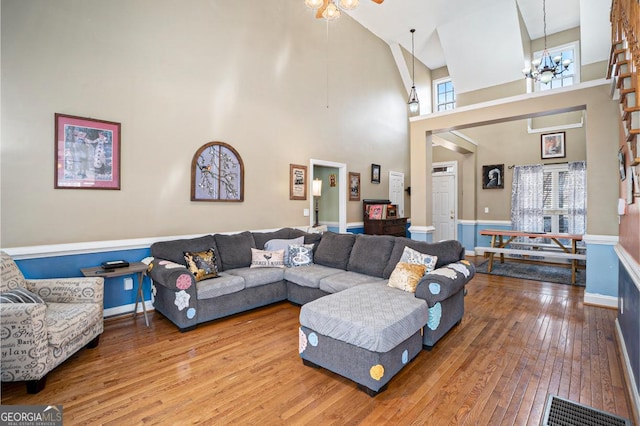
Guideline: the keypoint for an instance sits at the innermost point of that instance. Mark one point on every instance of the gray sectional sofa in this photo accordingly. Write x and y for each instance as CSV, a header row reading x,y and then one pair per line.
x,y
351,268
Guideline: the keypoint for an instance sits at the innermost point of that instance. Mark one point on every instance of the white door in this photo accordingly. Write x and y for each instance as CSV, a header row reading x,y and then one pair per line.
x,y
396,191
444,208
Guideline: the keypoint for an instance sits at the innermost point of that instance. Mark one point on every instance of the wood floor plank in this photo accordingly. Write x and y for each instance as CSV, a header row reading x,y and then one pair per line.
x,y
519,341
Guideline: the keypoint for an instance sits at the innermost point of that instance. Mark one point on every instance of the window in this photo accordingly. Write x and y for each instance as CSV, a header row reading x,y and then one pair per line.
x,y
555,202
568,78
445,96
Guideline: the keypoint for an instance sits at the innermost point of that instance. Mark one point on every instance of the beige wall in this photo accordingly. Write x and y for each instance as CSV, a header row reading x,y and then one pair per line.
x,y
600,151
177,75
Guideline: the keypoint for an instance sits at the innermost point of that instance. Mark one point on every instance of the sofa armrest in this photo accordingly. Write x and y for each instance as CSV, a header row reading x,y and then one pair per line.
x,y
69,290
444,282
24,341
171,275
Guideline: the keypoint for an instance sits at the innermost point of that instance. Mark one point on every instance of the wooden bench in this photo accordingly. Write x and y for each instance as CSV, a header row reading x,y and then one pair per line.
x,y
544,254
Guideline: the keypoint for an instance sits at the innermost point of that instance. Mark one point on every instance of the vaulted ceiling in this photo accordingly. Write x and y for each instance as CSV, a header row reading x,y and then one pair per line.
x,y
482,42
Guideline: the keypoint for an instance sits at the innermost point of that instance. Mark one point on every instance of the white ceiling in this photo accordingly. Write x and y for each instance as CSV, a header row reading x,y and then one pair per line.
x,y
481,41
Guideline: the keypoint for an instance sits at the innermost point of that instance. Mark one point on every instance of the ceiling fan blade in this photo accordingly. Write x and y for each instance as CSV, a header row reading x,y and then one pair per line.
x,y
321,9
377,1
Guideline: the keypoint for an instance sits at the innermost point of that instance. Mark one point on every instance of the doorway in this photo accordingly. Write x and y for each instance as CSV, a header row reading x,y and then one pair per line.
x,y
341,183
445,200
396,191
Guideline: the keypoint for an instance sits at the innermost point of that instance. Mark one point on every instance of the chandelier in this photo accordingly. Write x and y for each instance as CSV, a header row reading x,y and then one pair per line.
x,y
414,103
546,68
330,9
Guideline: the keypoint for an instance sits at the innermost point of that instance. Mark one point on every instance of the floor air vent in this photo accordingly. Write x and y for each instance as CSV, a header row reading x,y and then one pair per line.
x,y
562,412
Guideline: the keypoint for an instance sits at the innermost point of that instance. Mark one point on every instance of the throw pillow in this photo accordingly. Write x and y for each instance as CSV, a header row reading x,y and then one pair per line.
x,y
267,259
19,295
202,264
279,244
300,254
410,255
406,276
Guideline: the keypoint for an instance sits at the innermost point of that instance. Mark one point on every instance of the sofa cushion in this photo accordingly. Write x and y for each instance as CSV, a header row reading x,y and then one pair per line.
x,y
267,259
334,250
309,276
300,255
370,254
261,238
280,244
254,277
202,264
344,280
446,251
215,287
406,276
374,317
234,250
68,321
174,250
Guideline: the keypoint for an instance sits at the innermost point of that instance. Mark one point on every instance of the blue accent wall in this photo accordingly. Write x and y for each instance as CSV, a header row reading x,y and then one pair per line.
x,y
467,236
69,266
602,270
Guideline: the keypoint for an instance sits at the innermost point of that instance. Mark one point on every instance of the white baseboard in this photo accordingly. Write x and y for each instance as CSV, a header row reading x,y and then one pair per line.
x,y
600,300
628,371
127,309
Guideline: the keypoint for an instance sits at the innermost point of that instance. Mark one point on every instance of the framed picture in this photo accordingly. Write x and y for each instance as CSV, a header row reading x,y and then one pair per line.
x,y
622,164
375,173
217,173
297,182
493,176
354,186
552,145
87,153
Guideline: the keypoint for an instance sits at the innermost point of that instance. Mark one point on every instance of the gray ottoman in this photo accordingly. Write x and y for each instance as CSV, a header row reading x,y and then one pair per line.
x,y
366,333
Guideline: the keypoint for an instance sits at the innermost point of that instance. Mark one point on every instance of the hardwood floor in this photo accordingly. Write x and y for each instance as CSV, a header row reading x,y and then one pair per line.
x,y
519,341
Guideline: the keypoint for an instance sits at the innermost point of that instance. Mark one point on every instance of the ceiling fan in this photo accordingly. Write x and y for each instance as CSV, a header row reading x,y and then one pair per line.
x,y
329,10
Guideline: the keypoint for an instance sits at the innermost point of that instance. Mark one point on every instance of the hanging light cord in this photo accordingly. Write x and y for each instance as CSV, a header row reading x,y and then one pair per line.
x,y
544,22
413,60
327,91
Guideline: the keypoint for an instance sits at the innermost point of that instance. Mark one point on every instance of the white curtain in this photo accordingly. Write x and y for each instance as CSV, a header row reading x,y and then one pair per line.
x,y
577,197
527,207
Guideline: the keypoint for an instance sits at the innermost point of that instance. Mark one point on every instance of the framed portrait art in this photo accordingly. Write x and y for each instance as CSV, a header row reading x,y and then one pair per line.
x,y
354,186
297,182
552,145
87,153
493,176
375,173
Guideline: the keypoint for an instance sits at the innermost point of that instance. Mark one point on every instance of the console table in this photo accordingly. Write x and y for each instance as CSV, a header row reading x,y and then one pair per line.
x,y
387,224
137,268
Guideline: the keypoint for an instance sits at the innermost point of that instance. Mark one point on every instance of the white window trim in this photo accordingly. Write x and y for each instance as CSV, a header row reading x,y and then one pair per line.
x,y
434,91
575,45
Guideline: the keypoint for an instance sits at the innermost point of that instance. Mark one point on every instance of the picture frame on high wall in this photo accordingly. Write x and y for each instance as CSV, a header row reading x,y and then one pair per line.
x,y
493,176
297,182
354,186
86,153
552,145
375,173
217,173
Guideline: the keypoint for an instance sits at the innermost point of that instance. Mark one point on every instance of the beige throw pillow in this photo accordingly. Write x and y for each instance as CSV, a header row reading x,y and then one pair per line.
x,y
267,259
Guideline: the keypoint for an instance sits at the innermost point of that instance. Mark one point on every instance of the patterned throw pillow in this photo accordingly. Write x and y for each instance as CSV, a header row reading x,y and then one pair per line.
x,y
279,244
267,259
300,254
19,295
202,264
406,276
410,255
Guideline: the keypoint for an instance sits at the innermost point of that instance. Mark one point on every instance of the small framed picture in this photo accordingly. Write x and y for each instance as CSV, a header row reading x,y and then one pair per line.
x,y
354,186
552,145
375,173
297,182
87,153
622,164
493,176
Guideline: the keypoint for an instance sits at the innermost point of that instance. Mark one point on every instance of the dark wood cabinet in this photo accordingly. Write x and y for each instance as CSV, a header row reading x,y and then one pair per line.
x,y
387,224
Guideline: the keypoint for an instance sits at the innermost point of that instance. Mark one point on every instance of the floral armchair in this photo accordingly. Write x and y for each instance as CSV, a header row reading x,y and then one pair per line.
x,y
43,322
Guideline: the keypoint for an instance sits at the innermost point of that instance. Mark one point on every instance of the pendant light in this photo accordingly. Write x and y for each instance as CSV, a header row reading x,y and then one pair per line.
x,y
414,103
